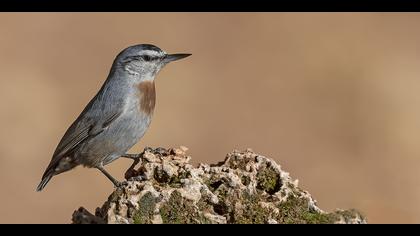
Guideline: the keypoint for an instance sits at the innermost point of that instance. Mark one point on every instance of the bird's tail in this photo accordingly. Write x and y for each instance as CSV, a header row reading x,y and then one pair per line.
x,y
45,179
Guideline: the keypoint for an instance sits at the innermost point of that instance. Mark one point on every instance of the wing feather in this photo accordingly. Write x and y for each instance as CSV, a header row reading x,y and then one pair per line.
x,y
82,129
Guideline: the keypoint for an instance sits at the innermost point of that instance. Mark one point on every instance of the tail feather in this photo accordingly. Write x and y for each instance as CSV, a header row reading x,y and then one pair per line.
x,y
45,179
55,168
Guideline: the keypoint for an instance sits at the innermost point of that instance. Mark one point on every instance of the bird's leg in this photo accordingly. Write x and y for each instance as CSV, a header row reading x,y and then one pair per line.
x,y
109,176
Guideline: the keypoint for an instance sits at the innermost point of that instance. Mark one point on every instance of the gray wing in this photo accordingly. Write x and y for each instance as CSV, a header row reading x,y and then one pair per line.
x,y
87,125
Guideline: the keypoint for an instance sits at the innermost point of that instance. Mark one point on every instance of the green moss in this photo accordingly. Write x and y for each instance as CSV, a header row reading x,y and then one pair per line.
x,y
180,211
251,212
268,180
318,218
147,206
204,205
296,211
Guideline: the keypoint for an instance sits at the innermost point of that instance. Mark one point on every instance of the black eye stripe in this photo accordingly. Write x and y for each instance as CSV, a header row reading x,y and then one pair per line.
x,y
147,57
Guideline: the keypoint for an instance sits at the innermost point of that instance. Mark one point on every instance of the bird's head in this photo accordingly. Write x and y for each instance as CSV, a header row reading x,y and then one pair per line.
x,y
144,61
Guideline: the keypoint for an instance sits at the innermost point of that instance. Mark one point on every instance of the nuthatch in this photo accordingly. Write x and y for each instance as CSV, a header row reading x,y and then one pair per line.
x,y
116,118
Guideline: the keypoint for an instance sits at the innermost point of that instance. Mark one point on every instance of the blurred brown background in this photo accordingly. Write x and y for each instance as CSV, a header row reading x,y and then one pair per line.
x,y
334,98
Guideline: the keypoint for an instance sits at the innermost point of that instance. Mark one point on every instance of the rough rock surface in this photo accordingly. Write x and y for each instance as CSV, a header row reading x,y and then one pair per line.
x,y
245,188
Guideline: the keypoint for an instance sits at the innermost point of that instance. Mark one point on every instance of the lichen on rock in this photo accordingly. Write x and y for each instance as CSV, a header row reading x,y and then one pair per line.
x,y
245,188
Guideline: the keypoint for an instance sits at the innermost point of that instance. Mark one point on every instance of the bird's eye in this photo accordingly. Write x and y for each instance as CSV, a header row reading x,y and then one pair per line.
x,y
147,58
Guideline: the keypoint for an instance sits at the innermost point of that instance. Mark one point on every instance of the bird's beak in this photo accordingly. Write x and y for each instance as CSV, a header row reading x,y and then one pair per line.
x,y
174,57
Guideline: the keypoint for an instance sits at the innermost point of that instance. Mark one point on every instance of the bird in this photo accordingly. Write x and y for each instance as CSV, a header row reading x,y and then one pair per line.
x,y
116,118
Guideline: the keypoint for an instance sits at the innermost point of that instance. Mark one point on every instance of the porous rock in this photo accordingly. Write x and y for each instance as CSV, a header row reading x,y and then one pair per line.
x,y
245,188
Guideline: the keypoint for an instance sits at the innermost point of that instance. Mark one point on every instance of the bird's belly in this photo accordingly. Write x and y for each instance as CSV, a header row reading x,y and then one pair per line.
x,y
116,140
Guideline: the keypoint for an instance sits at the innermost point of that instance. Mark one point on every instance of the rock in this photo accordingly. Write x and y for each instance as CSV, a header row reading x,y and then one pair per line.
x,y
244,188
82,216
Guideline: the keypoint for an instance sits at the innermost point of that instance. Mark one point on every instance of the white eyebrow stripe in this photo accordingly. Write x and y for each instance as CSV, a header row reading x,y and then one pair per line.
x,y
151,53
